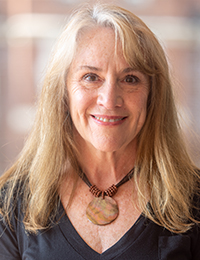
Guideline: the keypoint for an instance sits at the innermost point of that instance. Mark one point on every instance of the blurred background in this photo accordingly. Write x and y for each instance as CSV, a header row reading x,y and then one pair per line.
x,y
28,30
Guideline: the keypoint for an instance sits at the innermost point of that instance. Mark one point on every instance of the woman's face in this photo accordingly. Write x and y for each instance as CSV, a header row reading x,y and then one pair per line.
x,y
108,98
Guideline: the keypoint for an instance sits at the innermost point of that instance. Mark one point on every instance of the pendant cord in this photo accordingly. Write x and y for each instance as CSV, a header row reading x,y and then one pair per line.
x,y
124,180
103,209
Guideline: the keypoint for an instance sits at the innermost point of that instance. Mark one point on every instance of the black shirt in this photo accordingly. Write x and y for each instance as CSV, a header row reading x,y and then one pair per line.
x,y
144,241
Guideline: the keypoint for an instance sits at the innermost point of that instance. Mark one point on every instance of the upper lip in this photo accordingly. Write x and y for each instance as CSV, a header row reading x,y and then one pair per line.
x,y
108,117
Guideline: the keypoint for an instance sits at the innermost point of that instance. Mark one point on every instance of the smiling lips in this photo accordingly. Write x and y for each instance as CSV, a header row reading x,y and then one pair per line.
x,y
109,119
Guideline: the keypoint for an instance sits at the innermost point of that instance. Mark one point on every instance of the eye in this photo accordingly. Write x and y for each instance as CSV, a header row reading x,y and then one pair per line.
x,y
91,77
131,79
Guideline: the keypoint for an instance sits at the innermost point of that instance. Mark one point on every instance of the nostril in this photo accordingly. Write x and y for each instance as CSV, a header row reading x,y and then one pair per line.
x,y
110,100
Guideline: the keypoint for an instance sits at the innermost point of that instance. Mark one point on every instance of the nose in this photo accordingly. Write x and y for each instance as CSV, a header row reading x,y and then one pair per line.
x,y
110,95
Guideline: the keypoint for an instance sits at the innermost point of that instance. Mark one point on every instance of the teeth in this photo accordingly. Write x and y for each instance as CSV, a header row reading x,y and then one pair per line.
x,y
107,120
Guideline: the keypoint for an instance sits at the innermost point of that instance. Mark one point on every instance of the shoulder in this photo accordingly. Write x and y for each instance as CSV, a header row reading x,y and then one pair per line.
x,y
13,237
11,200
196,207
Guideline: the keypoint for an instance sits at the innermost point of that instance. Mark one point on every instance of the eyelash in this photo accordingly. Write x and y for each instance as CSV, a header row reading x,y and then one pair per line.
x,y
85,77
136,79
96,78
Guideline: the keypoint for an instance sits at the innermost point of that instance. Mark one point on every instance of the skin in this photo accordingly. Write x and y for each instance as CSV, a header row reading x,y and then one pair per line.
x,y
108,101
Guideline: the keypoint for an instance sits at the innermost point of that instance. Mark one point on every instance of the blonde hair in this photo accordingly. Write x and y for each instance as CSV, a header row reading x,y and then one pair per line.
x,y
162,162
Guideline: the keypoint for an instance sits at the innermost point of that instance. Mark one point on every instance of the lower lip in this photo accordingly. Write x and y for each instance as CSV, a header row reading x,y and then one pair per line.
x,y
109,123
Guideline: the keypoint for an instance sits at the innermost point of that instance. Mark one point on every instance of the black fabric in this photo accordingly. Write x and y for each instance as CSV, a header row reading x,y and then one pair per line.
x,y
144,241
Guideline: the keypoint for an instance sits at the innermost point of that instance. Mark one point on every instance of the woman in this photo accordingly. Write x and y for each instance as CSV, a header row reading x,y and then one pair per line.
x,y
106,119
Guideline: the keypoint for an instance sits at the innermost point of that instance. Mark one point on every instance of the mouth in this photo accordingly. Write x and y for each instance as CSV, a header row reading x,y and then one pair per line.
x,y
110,119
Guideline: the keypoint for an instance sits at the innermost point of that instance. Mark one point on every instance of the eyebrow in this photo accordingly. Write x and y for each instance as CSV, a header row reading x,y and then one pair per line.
x,y
92,68
88,68
129,69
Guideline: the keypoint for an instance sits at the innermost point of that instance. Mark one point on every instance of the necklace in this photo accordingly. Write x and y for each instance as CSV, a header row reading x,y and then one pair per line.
x,y
103,209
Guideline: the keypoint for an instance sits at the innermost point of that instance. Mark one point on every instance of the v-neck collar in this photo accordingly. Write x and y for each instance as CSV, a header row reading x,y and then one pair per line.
x,y
80,246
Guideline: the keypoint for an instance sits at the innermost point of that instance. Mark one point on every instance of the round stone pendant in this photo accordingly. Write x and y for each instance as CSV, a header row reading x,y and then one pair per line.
x,y
102,211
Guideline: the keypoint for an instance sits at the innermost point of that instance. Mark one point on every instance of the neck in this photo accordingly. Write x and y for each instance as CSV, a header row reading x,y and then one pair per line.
x,y
106,168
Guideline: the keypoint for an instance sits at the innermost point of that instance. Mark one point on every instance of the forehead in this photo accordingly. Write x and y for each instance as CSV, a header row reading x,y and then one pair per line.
x,y
98,45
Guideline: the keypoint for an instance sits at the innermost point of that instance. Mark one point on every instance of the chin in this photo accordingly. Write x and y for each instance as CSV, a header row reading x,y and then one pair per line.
x,y
108,147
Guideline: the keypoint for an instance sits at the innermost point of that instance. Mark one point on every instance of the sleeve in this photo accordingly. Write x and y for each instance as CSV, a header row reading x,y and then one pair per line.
x,y
196,230
196,244
8,242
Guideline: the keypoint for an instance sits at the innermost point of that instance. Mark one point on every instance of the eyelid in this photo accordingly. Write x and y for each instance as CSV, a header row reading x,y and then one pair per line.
x,y
132,75
90,74
136,78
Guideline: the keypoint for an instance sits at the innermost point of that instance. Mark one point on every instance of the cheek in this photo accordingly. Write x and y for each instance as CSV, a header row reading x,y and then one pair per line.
x,y
139,110
139,103
143,105
143,110
80,101
76,98
143,100
75,94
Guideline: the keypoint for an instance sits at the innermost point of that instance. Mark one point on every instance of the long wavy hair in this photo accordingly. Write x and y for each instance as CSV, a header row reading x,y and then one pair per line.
x,y
163,166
